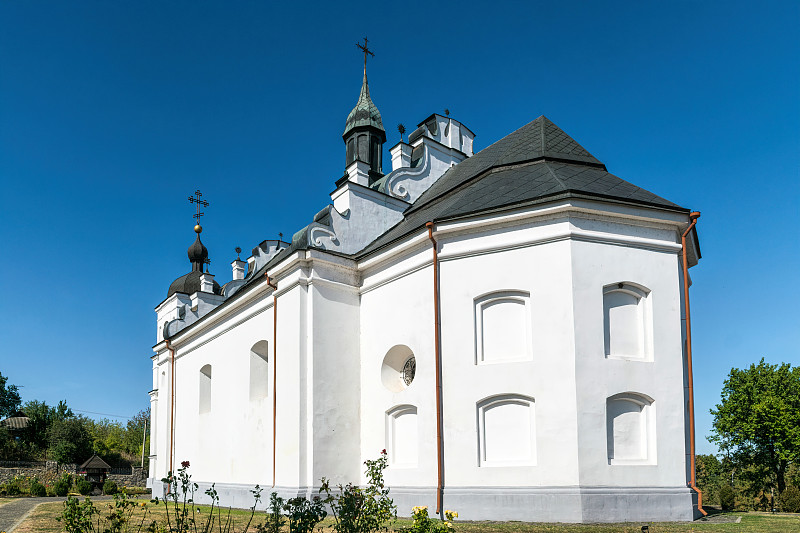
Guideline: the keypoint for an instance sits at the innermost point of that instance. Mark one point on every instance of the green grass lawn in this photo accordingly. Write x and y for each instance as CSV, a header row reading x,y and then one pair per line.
x,y
43,520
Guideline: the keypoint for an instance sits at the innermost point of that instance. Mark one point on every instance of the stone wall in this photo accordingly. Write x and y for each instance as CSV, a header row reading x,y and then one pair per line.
x,y
51,469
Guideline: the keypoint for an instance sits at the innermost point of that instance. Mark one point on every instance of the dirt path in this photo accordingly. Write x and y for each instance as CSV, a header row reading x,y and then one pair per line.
x,y
14,512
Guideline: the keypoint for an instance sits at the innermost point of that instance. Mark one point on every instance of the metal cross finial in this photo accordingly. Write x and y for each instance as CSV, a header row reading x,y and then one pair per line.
x,y
366,51
208,263
196,200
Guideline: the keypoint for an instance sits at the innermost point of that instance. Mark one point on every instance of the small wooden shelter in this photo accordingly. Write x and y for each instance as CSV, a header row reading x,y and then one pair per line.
x,y
95,470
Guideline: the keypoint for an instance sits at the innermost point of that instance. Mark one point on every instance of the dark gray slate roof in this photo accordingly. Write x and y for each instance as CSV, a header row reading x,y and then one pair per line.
x,y
190,284
536,163
95,462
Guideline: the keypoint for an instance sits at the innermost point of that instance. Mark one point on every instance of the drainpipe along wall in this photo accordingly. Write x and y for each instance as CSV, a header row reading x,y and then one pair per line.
x,y
274,370
171,404
438,365
693,217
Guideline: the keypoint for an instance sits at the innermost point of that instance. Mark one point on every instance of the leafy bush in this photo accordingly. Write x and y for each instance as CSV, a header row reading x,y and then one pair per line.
x,y
61,488
425,524
727,497
110,487
77,516
275,519
13,488
790,500
304,514
83,486
37,489
357,510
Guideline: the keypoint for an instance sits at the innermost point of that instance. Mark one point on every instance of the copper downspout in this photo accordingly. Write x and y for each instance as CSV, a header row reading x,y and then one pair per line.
x,y
693,217
274,369
171,406
438,363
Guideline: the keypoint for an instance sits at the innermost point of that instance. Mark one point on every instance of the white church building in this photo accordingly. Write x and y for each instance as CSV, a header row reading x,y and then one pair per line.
x,y
510,325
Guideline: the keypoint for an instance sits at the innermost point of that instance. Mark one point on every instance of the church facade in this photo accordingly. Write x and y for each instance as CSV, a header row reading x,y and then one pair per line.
x,y
510,326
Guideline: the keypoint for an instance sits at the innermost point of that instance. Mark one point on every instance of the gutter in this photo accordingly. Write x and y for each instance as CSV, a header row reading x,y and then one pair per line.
x,y
438,365
692,475
274,370
171,405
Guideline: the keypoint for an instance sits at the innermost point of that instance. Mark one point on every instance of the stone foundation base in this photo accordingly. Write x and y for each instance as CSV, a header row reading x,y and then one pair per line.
x,y
526,504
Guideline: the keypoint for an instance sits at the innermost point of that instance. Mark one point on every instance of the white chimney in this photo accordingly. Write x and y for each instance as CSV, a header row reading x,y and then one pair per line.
x,y
401,155
207,282
238,269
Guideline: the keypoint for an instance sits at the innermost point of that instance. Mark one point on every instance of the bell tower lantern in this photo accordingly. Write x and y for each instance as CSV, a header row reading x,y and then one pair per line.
x,y
363,133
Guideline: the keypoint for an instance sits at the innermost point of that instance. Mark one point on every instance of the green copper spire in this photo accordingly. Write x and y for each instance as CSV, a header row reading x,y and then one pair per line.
x,y
365,113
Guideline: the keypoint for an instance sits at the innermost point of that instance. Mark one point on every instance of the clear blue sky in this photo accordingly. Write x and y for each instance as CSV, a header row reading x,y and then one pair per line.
x,y
112,113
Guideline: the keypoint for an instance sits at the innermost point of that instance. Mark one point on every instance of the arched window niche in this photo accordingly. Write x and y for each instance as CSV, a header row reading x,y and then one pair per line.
x,y
631,429
398,369
627,322
259,370
506,431
402,443
503,327
204,396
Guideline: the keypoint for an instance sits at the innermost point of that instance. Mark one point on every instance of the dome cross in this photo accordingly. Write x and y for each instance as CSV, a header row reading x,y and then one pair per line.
x,y
366,51
200,203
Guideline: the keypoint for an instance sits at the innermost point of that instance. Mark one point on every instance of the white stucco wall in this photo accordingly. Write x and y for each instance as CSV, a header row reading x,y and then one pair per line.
x,y
337,320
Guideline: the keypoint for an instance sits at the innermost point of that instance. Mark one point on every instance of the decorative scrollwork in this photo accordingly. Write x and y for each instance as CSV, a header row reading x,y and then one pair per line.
x,y
395,185
317,233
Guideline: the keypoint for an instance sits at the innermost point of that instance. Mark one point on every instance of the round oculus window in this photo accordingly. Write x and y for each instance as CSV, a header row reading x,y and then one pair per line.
x,y
409,370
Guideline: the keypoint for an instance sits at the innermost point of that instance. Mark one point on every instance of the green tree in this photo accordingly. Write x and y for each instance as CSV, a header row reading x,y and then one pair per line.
x,y
757,423
9,398
70,441
709,476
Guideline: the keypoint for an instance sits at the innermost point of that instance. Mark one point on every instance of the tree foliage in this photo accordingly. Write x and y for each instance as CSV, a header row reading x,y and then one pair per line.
x,y
10,399
70,441
757,422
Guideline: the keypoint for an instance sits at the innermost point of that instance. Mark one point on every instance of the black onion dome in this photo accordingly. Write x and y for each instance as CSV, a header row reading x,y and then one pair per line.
x,y
198,254
190,284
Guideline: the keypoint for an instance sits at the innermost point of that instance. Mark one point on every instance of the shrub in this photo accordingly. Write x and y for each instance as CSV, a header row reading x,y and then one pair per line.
x,y
61,488
304,514
83,486
425,524
727,497
275,519
77,516
37,489
109,487
790,500
13,488
361,510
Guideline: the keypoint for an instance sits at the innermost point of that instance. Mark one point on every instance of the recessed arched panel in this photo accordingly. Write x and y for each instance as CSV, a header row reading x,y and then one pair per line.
x,y
630,429
626,322
503,327
402,443
204,396
506,431
259,370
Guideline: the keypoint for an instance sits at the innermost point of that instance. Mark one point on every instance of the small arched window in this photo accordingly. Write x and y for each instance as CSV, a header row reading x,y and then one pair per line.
x,y
351,150
503,327
630,429
626,321
259,370
401,436
506,431
204,400
375,154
